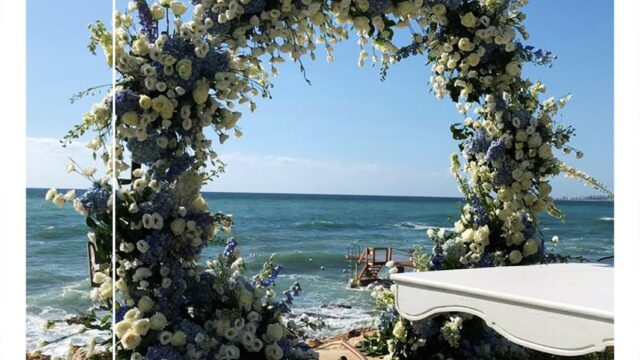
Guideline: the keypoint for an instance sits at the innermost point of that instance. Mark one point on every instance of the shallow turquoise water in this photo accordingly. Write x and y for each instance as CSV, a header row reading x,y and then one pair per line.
x,y
297,228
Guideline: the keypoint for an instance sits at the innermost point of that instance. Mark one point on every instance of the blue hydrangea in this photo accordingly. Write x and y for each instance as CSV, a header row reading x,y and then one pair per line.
x,y
191,330
489,49
478,143
286,348
486,260
175,46
162,352
524,117
255,6
378,7
144,152
177,166
96,199
161,202
159,246
502,176
385,318
213,63
424,328
126,100
496,150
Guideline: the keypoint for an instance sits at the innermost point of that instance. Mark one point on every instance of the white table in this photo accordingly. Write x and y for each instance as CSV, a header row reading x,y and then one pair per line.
x,y
561,309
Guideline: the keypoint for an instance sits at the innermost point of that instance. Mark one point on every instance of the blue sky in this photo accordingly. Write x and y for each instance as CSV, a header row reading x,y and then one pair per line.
x,y
349,132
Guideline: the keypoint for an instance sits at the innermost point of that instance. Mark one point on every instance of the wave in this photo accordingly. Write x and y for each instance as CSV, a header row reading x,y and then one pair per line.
x,y
326,224
419,226
337,318
45,340
606,219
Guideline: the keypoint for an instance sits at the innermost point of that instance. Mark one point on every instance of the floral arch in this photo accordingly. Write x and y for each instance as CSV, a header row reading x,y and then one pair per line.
x,y
183,72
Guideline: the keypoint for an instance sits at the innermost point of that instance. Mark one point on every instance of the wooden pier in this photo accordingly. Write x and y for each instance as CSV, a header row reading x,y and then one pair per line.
x,y
366,264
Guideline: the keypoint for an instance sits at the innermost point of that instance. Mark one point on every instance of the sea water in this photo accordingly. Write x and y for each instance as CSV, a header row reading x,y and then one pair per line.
x,y
309,235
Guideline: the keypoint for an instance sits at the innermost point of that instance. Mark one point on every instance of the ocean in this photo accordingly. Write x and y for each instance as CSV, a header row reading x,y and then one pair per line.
x,y
309,234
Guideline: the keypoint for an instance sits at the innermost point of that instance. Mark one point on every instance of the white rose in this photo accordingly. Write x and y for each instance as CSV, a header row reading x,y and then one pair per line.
x,y
179,338
130,340
513,68
468,20
515,257
58,200
177,226
165,337
89,171
275,332
158,321
121,328
145,304
178,8
273,352
530,247
133,314
544,151
99,277
141,327
467,235
70,195
142,246
439,9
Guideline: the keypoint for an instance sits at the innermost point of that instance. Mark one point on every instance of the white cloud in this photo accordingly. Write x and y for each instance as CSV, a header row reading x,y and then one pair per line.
x,y
285,174
47,160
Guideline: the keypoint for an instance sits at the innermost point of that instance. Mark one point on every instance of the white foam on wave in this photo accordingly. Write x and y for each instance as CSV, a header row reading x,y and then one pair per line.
x,y
606,218
419,226
336,319
39,338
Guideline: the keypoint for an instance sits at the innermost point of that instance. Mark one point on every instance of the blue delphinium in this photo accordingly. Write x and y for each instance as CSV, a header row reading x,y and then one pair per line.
x,y
478,143
378,7
145,18
162,352
385,318
437,259
478,212
230,248
126,100
121,311
275,272
96,199
496,150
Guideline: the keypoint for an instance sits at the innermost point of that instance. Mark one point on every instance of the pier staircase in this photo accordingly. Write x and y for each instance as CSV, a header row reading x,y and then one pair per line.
x,y
367,264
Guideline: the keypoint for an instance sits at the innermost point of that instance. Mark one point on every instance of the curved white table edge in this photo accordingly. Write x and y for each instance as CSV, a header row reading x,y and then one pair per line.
x,y
506,314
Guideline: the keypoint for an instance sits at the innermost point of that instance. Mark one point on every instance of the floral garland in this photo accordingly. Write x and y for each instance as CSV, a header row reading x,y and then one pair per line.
x,y
183,72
